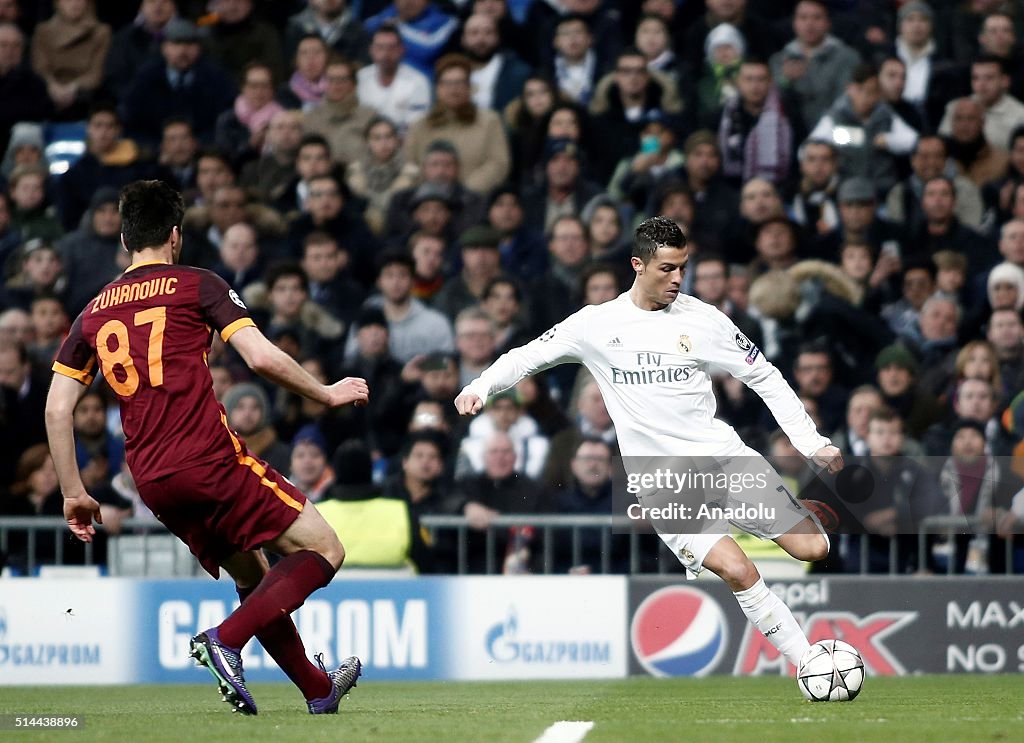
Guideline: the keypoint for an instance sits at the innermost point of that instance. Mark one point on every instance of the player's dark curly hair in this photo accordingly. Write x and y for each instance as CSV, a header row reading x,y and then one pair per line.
x,y
149,211
654,233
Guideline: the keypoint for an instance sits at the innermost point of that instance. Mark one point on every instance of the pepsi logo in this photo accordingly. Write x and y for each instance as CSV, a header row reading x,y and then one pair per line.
x,y
679,631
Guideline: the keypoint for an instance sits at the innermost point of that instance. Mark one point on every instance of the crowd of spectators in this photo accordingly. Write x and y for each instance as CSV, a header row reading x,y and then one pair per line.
x,y
404,190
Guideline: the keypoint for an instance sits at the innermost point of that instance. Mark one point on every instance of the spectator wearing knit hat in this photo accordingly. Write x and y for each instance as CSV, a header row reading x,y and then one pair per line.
x,y
481,262
724,50
249,415
310,471
742,14
25,147
431,212
897,376
1006,287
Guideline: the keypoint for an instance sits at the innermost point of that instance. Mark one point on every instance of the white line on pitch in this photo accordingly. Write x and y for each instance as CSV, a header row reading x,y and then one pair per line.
x,y
565,732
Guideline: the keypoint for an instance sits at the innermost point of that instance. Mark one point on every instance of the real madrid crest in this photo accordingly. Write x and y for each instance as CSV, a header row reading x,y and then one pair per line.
x,y
684,344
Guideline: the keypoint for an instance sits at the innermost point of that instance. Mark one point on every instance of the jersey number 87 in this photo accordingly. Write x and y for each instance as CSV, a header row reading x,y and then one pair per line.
x,y
110,360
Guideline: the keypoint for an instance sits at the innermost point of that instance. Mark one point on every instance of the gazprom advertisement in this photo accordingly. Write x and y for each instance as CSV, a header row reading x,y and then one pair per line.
x,y
397,628
116,631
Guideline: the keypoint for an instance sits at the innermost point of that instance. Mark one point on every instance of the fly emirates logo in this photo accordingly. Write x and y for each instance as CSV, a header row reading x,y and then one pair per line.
x,y
651,370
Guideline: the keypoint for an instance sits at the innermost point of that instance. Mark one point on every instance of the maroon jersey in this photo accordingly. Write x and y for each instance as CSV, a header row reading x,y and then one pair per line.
x,y
151,329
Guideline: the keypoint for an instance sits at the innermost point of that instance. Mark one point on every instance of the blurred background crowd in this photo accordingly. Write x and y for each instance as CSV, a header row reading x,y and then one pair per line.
x,y
404,190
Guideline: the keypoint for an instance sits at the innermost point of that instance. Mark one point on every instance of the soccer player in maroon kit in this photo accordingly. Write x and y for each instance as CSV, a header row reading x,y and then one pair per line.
x,y
150,331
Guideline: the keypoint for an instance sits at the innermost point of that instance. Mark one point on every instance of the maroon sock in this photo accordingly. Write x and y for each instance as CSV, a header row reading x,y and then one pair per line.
x,y
282,642
283,590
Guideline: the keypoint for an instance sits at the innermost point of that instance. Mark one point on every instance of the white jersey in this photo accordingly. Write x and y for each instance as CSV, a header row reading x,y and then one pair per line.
x,y
654,371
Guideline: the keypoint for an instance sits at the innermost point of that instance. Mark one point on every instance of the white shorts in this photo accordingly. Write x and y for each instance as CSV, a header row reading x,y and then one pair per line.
x,y
692,549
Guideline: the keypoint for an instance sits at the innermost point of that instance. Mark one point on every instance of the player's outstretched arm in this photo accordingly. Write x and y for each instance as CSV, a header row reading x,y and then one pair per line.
x,y
559,345
270,362
79,507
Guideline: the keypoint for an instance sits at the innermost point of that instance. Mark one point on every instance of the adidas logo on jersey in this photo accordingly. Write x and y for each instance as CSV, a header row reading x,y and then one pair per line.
x,y
614,343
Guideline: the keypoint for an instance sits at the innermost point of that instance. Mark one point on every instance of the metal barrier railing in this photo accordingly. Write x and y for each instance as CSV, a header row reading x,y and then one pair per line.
x,y
548,525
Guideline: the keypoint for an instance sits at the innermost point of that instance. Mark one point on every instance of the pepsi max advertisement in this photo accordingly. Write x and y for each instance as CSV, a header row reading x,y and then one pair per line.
x,y
924,625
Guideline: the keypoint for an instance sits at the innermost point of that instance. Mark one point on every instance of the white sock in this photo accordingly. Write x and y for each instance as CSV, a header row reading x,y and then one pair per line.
x,y
774,620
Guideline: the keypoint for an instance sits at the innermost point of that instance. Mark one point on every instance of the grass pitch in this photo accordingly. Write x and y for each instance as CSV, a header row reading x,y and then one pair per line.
x,y
752,710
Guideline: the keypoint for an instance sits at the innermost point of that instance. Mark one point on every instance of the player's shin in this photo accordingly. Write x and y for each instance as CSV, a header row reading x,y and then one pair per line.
x,y
282,642
282,591
774,620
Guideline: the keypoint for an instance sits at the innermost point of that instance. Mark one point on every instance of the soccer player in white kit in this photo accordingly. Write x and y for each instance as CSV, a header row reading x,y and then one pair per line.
x,y
650,351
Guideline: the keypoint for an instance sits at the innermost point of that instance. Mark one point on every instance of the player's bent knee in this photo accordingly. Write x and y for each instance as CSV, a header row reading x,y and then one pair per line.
x,y
331,549
817,548
809,547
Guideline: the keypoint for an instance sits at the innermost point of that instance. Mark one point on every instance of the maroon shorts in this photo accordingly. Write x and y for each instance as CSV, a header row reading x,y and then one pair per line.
x,y
222,507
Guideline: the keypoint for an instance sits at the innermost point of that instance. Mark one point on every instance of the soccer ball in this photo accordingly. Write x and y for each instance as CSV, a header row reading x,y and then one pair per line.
x,y
831,671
